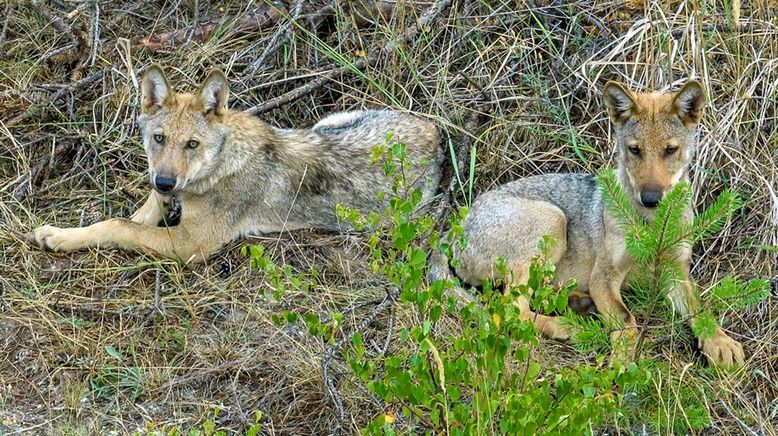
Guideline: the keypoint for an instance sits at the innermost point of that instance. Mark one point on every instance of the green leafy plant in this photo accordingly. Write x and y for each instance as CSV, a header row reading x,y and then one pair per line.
x,y
209,427
671,404
483,376
654,245
482,379
119,377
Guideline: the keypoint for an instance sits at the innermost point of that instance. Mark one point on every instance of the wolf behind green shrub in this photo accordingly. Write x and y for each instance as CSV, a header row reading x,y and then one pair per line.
x,y
483,378
483,375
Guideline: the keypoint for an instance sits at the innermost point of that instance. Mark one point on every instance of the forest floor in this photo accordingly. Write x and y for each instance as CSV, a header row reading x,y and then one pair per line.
x,y
105,341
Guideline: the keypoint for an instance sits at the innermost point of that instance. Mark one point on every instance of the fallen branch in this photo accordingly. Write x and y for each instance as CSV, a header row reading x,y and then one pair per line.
x,y
94,33
76,38
63,90
279,37
375,55
4,32
260,18
37,173
303,90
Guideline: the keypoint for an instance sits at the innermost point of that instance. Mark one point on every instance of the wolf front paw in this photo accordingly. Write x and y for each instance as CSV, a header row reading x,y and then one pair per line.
x,y
56,239
721,350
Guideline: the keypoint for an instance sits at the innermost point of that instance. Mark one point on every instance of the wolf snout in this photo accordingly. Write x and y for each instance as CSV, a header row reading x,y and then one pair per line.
x,y
650,198
163,183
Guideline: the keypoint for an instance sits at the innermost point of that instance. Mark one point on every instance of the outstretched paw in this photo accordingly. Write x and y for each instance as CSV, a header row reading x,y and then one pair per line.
x,y
55,239
721,350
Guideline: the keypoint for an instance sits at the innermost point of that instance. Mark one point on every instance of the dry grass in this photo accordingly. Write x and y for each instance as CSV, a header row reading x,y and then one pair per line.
x,y
189,340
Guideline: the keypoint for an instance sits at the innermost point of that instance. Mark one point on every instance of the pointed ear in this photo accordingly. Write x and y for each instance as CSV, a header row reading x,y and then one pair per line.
x,y
154,90
689,103
619,102
214,93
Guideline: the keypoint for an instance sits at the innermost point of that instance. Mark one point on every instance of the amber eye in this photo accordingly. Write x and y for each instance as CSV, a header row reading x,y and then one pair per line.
x,y
192,144
669,151
160,138
635,151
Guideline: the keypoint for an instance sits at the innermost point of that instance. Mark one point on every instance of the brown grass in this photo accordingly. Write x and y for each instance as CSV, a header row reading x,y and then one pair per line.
x,y
189,340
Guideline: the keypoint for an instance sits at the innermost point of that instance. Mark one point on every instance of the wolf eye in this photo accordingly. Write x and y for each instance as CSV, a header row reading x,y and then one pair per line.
x,y
635,151
192,144
159,138
669,151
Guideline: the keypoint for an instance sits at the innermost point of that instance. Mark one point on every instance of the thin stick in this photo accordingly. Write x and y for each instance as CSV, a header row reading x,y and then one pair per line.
x,y
329,354
64,89
59,24
95,33
302,91
278,38
260,18
4,32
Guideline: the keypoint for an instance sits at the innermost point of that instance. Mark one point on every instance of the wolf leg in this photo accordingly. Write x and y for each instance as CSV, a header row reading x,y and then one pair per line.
x,y
510,227
549,326
605,291
186,244
720,349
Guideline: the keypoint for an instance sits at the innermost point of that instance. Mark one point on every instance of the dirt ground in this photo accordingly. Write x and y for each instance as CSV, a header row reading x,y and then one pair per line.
x,y
108,342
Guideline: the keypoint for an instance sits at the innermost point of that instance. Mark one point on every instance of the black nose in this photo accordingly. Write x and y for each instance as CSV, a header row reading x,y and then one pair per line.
x,y
164,183
650,198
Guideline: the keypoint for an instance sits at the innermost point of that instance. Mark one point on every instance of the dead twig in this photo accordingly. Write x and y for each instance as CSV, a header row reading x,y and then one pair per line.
x,y
262,17
303,90
746,429
277,40
76,38
196,21
36,173
331,351
63,90
94,35
4,32
428,17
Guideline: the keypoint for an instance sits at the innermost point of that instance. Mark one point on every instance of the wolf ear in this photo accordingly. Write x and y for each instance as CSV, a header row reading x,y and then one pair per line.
x,y
619,102
689,103
214,93
154,90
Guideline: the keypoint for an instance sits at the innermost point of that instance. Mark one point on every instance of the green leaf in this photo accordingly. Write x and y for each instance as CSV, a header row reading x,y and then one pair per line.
x,y
704,326
418,257
714,217
113,353
291,317
356,340
617,201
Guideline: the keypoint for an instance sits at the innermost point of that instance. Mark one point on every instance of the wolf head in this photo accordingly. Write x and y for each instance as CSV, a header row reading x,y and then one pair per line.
x,y
655,136
182,133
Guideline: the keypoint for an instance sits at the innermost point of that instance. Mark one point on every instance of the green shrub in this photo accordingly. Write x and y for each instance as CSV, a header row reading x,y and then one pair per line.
x,y
484,376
